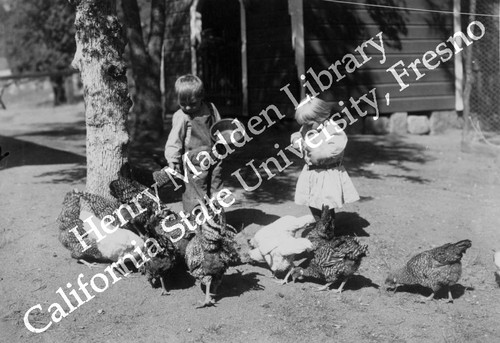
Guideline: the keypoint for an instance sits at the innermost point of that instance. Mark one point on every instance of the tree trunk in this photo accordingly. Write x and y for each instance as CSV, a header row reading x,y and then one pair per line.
x,y
57,83
69,89
147,112
99,58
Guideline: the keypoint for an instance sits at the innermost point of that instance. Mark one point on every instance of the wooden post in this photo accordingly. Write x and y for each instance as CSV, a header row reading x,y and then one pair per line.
x,y
467,129
195,33
296,9
459,71
244,65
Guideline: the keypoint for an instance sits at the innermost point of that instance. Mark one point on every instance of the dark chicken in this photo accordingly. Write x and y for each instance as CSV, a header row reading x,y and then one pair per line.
x,y
210,252
333,258
164,262
436,268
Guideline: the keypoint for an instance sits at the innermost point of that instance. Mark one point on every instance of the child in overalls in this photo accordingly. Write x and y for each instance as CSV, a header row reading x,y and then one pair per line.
x,y
323,180
191,134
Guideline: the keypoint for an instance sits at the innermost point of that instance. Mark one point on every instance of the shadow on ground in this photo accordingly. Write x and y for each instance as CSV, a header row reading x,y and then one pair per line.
x,y
242,217
357,282
350,224
457,291
24,153
238,283
67,175
364,150
354,283
66,130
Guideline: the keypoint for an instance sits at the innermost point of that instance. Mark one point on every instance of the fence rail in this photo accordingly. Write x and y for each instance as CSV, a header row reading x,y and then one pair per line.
x,y
36,75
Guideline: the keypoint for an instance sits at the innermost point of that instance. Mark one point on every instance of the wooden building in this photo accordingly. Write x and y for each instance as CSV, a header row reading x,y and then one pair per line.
x,y
246,51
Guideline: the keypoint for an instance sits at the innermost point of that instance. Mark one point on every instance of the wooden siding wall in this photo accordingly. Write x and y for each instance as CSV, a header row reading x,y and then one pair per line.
x,y
271,61
177,48
333,30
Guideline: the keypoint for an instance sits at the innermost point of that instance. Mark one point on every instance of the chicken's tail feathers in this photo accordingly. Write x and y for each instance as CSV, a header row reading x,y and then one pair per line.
x,y
125,189
453,252
496,258
352,247
463,245
99,205
70,210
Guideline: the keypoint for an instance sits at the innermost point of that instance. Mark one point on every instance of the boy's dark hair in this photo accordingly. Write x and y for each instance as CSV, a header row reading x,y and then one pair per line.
x,y
189,86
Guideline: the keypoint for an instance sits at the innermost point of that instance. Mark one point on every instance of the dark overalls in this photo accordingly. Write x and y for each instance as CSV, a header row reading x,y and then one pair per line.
x,y
209,182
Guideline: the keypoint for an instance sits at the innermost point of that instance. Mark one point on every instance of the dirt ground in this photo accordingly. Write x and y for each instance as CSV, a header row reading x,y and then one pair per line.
x,y
417,192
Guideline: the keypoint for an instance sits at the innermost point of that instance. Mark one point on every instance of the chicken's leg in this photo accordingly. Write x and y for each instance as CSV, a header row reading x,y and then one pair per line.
x,y
164,289
341,287
324,288
429,298
209,301
287,276
450,297
338,290
90,265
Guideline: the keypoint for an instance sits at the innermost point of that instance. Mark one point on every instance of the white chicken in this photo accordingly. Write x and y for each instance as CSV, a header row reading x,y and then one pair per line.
x,y
115,245
75,220
276,244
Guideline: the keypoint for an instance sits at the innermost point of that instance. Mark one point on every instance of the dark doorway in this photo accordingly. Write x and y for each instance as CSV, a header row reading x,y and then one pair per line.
x,y
219,55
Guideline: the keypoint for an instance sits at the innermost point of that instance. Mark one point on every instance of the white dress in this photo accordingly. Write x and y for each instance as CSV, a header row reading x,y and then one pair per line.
x,y
324,180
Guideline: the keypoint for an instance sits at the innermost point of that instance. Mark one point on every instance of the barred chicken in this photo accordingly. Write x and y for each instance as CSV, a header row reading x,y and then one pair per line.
x,y
436,268
108,249
276,244
144,200
210,252
159,267
333,258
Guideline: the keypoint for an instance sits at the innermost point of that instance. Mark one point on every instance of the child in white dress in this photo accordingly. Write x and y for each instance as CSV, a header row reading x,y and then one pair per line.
x,y
323,180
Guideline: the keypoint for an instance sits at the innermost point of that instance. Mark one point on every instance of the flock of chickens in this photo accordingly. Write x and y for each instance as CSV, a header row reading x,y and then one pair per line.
x,y
208,251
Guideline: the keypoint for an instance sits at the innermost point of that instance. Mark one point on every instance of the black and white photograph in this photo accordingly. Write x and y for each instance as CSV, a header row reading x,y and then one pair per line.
x,y
270,171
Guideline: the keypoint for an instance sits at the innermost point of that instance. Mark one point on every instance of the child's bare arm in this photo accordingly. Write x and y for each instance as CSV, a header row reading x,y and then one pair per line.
x,y
295,139
174,148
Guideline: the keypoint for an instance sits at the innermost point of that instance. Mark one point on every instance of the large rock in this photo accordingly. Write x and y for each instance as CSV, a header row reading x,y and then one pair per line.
x,y
418,125
377,127
398,123
440,121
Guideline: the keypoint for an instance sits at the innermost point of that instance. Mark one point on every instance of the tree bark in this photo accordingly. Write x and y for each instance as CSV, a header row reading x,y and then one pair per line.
x,y
99,58
147,112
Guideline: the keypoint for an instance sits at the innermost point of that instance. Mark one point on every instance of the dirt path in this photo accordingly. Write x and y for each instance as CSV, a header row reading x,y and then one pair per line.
x,y
417,193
